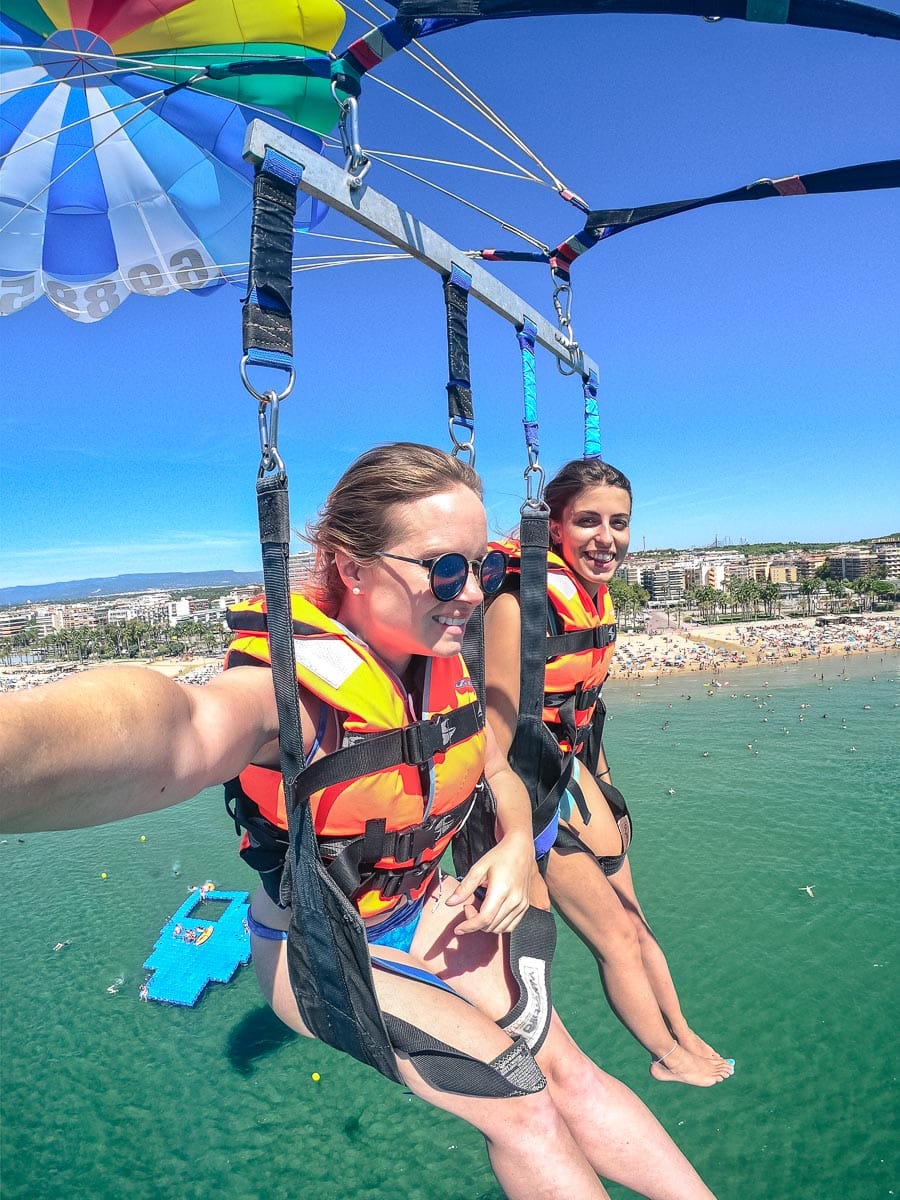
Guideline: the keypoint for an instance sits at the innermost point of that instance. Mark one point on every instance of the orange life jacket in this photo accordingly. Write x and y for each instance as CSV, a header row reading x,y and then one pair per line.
x,y
574,677
401,785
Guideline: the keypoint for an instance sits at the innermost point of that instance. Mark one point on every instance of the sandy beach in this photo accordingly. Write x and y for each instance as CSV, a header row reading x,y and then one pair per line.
x,y
711,649
194,670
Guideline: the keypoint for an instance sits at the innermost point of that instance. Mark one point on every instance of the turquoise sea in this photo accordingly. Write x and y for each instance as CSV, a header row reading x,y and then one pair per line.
x,y
104,1096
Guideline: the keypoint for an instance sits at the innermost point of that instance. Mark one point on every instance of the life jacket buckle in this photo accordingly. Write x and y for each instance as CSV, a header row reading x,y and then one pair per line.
x,y
422,741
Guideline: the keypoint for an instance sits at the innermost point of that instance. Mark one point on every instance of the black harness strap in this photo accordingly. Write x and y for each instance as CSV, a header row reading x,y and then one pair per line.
x,y
534,753
597,638
459,383
327,953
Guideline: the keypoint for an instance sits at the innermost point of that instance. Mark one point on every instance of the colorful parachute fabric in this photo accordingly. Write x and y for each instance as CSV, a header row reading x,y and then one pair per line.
x,y
115,175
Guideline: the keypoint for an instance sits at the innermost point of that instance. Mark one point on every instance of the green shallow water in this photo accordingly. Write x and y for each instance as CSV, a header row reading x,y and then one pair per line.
x,y
104,1096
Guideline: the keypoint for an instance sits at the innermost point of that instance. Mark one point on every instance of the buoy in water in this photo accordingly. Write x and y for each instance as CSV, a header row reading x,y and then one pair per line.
x,y
143,837
103,875
315,1077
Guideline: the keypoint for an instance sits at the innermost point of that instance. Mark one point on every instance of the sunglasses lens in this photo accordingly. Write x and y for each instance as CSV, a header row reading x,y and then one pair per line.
x,y
448,576
493,572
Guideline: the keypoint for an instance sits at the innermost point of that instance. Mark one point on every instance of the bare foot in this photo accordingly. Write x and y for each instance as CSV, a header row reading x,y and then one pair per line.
x,y
681,1066
690,1041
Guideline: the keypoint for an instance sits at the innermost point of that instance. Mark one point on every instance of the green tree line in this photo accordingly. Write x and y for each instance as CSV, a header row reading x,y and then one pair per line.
x,y
130,639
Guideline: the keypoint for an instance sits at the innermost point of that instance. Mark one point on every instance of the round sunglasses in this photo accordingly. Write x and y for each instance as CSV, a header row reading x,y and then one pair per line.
x,y
447,574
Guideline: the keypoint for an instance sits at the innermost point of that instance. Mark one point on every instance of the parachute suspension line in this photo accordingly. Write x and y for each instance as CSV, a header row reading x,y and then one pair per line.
x,y
145,103
384,155
470,96
514,230
439,69
592,447
460,410
523,171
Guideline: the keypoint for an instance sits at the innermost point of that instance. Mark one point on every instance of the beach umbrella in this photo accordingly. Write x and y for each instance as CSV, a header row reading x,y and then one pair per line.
x,y
121,166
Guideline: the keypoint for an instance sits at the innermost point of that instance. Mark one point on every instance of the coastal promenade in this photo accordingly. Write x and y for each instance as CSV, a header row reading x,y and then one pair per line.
x,y
685,649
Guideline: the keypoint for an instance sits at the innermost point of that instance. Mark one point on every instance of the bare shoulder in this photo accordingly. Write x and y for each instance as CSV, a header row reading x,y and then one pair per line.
x,y
503,615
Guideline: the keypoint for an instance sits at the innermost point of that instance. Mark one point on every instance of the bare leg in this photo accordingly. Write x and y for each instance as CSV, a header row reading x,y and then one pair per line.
x,y
617,1132
545,1146
589,904
657,968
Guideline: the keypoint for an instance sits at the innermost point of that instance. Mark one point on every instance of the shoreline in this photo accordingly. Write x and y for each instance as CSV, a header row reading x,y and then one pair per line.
x,y
663,653
196,670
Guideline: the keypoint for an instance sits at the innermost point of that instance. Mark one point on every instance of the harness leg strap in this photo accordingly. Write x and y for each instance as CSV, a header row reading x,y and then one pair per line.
x,y
531,947
512,1073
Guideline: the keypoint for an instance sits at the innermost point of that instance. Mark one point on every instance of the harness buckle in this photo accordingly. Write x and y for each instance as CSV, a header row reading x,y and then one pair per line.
x,y
422,741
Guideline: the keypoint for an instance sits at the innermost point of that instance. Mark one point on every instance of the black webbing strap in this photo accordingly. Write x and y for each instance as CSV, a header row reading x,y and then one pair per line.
x,y
597,638
534,537
327,953
268,337
349,855
479,834
459,383
415,745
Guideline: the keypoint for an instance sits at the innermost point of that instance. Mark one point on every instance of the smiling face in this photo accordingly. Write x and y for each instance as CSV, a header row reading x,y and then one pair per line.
x,y
593,532
390,604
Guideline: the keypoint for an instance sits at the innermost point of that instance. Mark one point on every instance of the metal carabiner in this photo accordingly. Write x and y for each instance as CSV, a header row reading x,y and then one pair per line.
x,y
267,416
264,396
466,447
356,164
534,499
562,303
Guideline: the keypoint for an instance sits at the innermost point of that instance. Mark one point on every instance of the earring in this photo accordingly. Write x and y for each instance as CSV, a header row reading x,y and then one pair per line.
x,y
356,591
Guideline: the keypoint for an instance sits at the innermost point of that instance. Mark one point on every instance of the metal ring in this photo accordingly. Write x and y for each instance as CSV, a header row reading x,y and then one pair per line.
x,y
267,397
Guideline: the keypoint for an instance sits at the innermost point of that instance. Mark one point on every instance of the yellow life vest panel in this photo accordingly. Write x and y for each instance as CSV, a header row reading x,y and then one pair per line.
x,y
392,823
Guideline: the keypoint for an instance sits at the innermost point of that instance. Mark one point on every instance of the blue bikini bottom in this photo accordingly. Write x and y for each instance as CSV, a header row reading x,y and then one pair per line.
x,y
397,930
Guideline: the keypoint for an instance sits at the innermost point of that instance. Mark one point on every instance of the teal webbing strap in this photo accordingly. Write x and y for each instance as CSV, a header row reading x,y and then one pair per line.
x,y
592,447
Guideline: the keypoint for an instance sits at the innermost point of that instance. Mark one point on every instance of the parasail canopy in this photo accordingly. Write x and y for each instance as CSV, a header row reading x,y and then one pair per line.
x,y
116,176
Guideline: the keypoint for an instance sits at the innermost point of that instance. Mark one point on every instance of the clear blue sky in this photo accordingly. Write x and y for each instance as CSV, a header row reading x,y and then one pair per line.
x,y
749,353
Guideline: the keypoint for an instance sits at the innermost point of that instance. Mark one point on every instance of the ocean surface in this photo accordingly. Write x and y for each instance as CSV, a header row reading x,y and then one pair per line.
x,y
741,797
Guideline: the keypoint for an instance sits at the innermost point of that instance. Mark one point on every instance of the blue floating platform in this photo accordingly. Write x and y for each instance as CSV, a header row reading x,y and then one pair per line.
x,y
218,943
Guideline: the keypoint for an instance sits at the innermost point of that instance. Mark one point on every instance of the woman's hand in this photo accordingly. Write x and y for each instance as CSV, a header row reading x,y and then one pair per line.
x,y
506,873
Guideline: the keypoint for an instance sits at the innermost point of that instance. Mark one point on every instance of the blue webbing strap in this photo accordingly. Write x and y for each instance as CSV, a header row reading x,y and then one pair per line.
x,y
592,448
526,338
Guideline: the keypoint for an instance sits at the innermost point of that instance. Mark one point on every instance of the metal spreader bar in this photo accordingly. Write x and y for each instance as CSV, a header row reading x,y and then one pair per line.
x,y
336,188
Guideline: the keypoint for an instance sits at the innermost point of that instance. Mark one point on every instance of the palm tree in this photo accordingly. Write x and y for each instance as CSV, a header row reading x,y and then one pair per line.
x,y
770,594
807,588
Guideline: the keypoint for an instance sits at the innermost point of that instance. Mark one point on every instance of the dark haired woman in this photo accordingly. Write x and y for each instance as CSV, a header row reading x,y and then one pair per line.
x,y
587,869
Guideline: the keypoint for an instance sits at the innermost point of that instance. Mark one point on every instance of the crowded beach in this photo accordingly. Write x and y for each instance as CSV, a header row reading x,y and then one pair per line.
x,y
713,648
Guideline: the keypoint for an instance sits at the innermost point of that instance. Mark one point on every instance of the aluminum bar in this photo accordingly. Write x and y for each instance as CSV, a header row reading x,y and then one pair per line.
x,y
332,185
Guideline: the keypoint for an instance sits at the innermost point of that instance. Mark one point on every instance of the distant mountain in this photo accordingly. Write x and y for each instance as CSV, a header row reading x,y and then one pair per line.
x,y
116,585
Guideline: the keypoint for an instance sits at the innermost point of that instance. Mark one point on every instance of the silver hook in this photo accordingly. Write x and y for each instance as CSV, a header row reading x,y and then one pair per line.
x,y
356,164
462,447
267,416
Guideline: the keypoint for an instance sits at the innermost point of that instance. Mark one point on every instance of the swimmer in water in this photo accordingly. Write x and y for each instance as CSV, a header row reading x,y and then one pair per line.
x,y
809,890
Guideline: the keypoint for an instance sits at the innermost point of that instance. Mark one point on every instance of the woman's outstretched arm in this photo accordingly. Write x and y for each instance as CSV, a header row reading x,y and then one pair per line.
x,y
113,742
